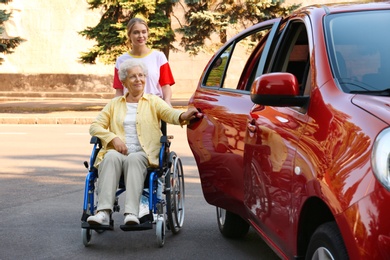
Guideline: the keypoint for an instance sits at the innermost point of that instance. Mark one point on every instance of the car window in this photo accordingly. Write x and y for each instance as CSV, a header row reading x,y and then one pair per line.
x,y
293,54
214,78
358,46
227,68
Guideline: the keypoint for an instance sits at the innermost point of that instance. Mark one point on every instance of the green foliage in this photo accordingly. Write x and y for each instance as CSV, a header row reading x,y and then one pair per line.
x,y
107,34
161,35
110,33
200,24
7,44
205,18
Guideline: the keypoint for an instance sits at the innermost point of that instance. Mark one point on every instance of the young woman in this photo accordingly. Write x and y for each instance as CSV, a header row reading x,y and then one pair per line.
x,y
160,77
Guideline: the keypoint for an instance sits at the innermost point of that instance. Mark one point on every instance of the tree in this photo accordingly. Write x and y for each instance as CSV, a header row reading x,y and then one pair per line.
x,y
7,43
205,18
110,32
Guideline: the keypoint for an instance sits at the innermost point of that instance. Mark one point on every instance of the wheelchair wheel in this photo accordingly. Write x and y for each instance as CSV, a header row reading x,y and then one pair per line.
x,y
174,184
86,235
160,230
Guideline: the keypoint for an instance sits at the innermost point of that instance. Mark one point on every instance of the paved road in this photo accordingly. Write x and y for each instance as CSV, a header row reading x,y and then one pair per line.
x,y
41,189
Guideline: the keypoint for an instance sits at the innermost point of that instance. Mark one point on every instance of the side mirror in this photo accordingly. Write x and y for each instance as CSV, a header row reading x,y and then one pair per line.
x,y
277,89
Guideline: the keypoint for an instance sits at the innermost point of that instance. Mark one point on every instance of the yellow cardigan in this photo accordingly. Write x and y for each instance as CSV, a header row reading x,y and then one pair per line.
x,y
151,109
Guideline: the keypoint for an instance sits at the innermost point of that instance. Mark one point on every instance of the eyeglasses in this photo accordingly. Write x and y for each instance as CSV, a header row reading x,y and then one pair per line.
x,y
136,76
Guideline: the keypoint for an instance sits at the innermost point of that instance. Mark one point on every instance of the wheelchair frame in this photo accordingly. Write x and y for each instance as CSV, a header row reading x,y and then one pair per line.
x,y
170,210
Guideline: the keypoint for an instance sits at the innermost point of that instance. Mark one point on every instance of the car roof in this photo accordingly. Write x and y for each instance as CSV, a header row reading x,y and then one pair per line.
x,y
317,11
344,7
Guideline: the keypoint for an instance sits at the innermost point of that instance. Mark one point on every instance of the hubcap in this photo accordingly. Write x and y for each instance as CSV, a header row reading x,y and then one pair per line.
x,y
322,254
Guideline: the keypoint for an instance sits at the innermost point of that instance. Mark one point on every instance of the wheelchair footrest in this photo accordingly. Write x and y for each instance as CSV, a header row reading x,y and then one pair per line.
x,y
143,226
146,218
98,227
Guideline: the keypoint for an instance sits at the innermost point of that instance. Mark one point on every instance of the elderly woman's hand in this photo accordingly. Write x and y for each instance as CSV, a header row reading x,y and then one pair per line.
x,y
119,145
190,114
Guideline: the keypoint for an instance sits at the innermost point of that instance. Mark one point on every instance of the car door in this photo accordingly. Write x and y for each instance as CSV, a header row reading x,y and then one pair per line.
x,y
217,140
273,134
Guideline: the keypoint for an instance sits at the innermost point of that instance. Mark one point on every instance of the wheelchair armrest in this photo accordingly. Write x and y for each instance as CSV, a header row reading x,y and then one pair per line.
x,y
95,140
166,138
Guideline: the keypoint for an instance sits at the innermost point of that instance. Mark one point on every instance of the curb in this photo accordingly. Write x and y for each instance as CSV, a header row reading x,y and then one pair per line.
x,y
57,118
56,111
47,121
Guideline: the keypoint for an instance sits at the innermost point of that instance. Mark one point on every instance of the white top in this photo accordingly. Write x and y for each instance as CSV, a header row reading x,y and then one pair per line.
x,y
129,125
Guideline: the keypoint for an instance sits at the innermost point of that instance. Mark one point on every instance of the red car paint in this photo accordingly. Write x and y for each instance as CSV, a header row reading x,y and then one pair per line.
x,y
287,134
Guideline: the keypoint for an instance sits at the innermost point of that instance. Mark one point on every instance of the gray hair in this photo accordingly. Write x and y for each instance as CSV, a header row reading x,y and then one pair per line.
x,y
129,64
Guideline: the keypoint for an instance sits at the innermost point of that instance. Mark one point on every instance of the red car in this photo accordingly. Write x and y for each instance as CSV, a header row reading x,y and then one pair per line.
x,y
295,138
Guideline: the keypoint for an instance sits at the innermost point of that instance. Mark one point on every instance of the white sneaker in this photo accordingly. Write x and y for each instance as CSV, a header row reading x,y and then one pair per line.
x,y
131,219
143,210
100,218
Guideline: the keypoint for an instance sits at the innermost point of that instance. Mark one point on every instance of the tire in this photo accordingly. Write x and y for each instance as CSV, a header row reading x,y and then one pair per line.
x,y
175,194
326,243
86,235
160,231
231,225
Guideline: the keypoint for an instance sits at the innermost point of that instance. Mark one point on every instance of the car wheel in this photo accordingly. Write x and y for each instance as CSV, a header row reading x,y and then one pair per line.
x,y
230,224
326,243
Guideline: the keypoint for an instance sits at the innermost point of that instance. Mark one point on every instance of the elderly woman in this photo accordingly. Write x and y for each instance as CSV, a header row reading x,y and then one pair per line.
x,y
129,128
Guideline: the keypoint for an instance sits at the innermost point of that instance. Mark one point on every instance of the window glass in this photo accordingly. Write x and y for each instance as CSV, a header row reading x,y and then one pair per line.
x,y
293,54
215,75
358,46
227,69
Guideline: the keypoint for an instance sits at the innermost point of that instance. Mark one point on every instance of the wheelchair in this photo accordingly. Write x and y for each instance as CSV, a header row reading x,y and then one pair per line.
x,y
169,208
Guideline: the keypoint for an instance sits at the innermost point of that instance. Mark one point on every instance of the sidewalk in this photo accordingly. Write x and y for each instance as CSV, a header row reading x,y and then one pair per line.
x,y
56,110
